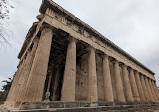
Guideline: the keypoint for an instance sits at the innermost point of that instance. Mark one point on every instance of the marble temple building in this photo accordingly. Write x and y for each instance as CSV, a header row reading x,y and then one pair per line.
x,y
63,59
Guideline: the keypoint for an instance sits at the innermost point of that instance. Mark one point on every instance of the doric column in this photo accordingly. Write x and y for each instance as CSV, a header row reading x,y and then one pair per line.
x,y
127,86
36,80
134,86
145,89
16,89
149,90
13,86
118,83
26,71
139,86
156,90
152,90
21,80
69,81
156,96
92,76
108,91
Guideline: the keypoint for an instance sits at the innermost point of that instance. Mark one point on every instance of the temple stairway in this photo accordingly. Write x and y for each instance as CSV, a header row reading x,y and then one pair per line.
x,y
86,107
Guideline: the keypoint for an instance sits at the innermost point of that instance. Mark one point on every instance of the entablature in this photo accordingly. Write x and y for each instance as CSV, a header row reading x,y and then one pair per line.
x,y
60,21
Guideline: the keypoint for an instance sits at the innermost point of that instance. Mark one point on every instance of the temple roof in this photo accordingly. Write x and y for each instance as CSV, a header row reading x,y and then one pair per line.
x,y
55,7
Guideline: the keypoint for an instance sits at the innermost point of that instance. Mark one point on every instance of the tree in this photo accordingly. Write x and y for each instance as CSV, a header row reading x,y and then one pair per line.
x,y
5,7
5,89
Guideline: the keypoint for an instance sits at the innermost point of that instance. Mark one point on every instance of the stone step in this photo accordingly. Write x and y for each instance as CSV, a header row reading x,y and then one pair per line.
x,y
43,105
81,109
121,108
87,107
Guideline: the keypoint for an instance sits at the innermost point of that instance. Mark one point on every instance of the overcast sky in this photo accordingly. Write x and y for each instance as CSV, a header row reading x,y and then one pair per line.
x,y
133,25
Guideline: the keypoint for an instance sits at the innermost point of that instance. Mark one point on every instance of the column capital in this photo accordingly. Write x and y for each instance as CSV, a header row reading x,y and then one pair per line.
x,y
47,26
135,71
72,39
121,64
104,55
114,60
146,76
151,79
141,74
130,68
91,48
45,31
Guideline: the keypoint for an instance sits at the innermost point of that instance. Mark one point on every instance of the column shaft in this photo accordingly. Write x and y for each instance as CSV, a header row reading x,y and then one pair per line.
x,y
156,90
149,90
36,81
92,77
139,86
21,80
26,71
16,89
145,88
69,82
134,86
152,90
29,66
108,91
13,86
127,86
118,83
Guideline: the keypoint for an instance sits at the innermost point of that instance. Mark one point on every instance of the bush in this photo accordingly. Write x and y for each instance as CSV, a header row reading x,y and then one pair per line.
x,y
5,89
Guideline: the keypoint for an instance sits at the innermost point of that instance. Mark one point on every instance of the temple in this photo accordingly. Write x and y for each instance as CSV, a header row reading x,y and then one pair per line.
x,y
63,59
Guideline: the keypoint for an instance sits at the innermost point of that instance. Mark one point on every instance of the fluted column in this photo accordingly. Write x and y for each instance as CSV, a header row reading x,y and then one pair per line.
x,y
156,90
118,83
156,97
152,90
13,86
108,91
127,86
36,81
21,79
139,86
149,90
16,89
92,76
69,81
145,89
26,71
134,86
